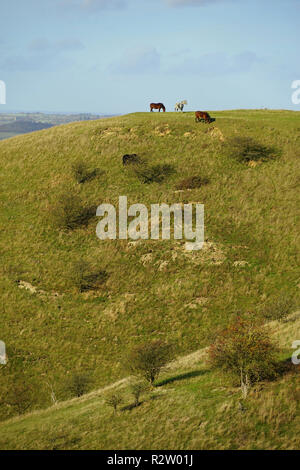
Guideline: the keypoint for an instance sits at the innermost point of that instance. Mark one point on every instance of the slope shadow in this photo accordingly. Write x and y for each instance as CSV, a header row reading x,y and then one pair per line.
x,y
131,406
187,375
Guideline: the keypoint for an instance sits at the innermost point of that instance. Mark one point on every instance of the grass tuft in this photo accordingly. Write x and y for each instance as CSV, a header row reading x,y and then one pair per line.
x,y
192,182
70,212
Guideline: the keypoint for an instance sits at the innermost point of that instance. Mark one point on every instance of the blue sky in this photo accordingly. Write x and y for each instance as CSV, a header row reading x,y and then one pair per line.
x,y
117,56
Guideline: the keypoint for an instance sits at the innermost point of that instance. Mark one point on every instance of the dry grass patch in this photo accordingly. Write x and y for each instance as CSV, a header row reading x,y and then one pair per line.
x,y
162,130
192,182
216,133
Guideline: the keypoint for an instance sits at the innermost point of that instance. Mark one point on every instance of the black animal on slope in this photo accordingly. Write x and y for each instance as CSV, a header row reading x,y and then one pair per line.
x,y
130,158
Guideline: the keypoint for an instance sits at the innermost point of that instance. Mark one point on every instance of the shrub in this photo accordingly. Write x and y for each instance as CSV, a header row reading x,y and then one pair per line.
x,y
69,211
192,182
114,400
279,309
81,171
244,349
131,159
79,384
246,149
136,389
148,359
152,174
85,277
20,396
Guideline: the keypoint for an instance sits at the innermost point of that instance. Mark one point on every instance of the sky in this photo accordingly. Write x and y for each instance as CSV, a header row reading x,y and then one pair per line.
x,y
117,56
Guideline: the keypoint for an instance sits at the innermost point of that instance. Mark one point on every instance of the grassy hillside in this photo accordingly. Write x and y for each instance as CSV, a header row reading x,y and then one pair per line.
x,y
191,407
154,289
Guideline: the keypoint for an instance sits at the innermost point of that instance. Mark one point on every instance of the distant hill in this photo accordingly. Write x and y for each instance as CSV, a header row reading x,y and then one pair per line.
x,y
12,124
22,127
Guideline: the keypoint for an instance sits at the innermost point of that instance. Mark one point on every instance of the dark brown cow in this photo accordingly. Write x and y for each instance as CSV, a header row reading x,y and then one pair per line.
x,y
202,116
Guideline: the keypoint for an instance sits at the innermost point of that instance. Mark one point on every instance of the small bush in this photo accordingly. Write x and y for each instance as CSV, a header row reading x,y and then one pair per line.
x,y
70,212
131,159
245,350
79,384
114,400
84,276
20,396
82,172
279,309
152,174
192,182
136,389
148,359
246,149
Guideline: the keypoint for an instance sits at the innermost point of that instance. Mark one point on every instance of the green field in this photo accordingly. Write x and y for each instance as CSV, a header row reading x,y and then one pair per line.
x,y
154,289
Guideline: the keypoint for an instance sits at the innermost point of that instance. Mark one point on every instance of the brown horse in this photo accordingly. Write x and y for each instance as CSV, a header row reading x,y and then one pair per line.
x,y
202,116
158,106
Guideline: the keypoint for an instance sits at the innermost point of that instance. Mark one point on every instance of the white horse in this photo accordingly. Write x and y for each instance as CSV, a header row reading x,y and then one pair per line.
x,y
180,105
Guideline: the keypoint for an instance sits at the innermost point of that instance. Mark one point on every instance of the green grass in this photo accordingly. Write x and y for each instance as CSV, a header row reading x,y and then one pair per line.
x,y
191,407
154,289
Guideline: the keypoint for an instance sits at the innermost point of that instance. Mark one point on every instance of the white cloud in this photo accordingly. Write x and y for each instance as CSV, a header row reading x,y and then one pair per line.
x,y
142,61
216,64
43,44
42,53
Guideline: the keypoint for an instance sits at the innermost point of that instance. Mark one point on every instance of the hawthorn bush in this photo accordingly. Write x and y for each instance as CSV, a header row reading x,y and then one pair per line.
x,y
69,211
245,350
148,359
114,400
136,390
79,384
82,172
246,149
153,174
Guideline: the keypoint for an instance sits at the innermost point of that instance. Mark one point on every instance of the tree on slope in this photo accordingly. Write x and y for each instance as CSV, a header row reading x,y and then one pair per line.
x,y
148,359
246,350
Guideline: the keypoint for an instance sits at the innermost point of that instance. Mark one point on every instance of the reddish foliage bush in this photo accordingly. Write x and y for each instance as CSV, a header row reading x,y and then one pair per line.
x,y
246,350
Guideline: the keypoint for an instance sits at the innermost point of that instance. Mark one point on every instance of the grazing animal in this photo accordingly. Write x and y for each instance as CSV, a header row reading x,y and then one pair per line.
x,y
180,105
202,116
158,106
130,158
